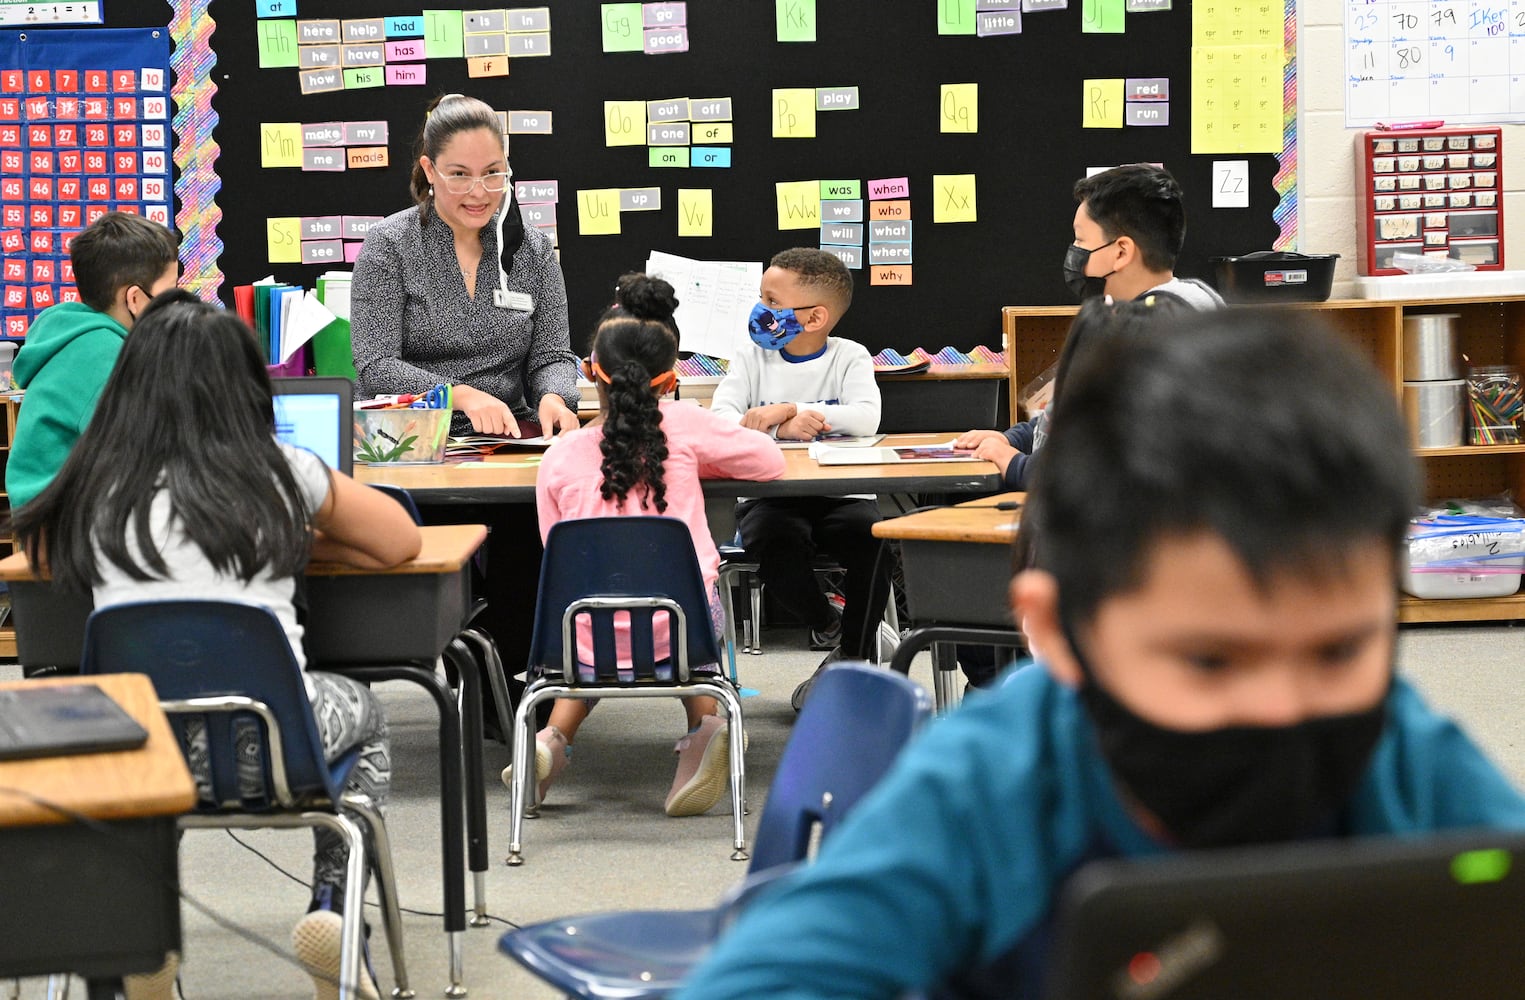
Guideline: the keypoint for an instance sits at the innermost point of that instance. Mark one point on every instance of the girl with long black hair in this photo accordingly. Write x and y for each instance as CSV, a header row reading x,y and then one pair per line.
x,y
178,489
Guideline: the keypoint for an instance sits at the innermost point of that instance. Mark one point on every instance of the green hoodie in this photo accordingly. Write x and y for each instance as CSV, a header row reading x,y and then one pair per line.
x,y
63,366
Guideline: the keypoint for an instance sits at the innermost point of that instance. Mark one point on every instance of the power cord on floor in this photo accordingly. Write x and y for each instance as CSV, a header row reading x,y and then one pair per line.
x,y
308,885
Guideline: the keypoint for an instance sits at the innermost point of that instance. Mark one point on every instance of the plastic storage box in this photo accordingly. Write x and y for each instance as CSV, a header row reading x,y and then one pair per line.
x,y
1464,556
1275,276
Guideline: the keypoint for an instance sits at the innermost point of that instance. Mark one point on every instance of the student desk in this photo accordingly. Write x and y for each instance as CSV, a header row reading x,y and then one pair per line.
x,y
98,898
957,563
508,478
372,625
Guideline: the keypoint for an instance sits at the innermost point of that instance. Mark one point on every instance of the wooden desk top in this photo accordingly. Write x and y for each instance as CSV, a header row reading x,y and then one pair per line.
x,y
446,548
974,521
149,781
509,478
513,472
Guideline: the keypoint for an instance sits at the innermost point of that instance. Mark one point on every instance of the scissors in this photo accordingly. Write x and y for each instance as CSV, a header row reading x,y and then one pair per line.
x,y
438,398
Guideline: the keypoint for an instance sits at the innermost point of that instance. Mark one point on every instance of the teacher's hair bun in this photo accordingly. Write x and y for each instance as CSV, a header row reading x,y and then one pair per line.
x,y
645,297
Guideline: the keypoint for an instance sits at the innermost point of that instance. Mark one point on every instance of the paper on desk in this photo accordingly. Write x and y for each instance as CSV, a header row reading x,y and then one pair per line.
x,y
302,317
715,298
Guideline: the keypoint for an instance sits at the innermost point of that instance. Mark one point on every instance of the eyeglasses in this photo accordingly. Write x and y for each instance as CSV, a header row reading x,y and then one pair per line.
x,y
495,183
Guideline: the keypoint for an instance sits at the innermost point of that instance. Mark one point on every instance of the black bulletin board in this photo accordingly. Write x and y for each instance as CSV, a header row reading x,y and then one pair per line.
x,y
1029,150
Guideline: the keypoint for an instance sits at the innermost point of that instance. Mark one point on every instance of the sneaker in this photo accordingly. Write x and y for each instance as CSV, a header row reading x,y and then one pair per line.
x,y
316,940
552,755
704,768
830,637
159,985
797,699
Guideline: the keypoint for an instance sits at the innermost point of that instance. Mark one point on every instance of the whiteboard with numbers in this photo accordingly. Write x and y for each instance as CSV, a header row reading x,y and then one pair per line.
x,y
1457,61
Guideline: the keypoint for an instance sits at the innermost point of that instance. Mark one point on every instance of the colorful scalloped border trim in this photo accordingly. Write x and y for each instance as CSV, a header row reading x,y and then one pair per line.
x,y
1285,181
196,152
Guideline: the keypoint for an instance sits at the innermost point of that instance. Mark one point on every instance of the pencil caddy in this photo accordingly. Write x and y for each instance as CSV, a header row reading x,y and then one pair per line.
x,y
401,436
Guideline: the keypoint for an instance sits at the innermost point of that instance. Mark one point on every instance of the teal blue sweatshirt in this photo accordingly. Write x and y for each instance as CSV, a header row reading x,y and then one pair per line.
x,y
63,366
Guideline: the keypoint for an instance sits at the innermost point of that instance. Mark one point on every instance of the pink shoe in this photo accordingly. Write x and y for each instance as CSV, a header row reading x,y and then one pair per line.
x,y
552,755
704,768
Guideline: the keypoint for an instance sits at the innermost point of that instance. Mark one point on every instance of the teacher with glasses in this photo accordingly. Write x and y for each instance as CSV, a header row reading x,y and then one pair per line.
x,y
458,290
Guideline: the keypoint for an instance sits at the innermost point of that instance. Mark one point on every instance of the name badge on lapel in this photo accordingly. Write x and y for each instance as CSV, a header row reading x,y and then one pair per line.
x,y
517,301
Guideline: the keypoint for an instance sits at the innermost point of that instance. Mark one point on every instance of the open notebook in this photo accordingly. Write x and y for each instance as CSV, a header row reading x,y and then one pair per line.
x,y
826,454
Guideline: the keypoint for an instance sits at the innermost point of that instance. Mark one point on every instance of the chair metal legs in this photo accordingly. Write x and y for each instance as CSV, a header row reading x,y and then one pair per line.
x,y
350,951
522,798
386,890
729,573
452,833
944,666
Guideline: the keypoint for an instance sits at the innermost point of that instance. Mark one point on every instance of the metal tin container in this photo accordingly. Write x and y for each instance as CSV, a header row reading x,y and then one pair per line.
x,y
1431,347
1436,412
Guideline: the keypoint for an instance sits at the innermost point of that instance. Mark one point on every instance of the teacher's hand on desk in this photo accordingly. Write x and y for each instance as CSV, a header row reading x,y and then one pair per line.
x,y
555,416
488,414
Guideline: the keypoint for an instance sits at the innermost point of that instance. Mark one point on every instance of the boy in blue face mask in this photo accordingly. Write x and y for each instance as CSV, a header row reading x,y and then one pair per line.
x,y
797,382
1213,604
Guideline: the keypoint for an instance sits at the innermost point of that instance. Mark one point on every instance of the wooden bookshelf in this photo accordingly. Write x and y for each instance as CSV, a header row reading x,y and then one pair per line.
x,y
1492,333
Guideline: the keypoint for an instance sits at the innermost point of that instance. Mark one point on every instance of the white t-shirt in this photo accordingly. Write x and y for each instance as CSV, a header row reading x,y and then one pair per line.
x,y
191,576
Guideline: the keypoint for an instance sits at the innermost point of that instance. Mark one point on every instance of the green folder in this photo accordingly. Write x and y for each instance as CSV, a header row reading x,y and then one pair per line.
x,y
331,350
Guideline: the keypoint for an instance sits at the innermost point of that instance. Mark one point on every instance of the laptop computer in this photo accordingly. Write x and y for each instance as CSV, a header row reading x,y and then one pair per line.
x,y
51,720
317,413
1370,919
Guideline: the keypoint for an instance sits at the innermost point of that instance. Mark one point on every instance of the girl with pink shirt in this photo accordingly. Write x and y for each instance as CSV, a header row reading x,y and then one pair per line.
x,y
642,457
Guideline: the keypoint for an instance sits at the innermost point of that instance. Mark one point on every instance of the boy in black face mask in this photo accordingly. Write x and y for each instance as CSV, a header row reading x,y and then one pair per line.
x,y
1213,601
1129,228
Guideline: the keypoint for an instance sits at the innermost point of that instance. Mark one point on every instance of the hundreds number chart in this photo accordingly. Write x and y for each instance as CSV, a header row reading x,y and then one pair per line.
x,y
1460,62
84,129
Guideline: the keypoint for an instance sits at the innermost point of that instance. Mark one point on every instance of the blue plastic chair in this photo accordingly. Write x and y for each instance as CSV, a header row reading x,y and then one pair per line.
x,y
228,665
848,734
594,569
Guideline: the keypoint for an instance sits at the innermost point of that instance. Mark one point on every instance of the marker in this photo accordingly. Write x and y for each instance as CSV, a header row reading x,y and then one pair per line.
x,y
1409,126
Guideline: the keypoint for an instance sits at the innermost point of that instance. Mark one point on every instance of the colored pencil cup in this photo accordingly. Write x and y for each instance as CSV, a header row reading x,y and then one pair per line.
x,y
1495,404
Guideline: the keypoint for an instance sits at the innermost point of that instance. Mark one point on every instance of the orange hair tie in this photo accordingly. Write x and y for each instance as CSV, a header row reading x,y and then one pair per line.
x,y
663,383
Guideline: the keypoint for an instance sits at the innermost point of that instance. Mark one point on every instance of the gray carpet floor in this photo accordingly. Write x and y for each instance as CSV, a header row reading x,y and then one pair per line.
x,y
603,841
